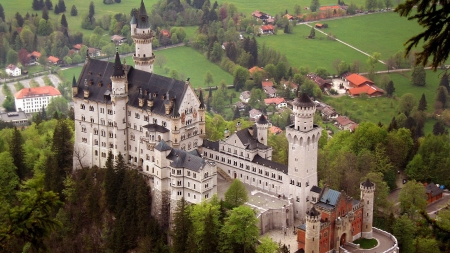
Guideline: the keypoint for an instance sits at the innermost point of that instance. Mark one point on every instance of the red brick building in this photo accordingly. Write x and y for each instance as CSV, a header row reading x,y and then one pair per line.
x,y
433,192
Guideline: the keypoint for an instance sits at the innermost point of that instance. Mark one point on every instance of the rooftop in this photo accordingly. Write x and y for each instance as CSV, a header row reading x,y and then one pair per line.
x,y
38,91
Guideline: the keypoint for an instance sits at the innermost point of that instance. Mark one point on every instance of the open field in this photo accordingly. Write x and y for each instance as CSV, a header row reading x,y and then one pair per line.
x,y
379,32
185,60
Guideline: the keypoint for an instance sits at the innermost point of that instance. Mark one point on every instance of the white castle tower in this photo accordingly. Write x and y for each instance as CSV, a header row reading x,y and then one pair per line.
x,y
367,197
119,99
143,37
262,125
303,137
312,231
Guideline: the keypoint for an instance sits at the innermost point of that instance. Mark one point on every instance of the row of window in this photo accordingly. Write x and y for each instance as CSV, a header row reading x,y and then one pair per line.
x,y
299,184
254,180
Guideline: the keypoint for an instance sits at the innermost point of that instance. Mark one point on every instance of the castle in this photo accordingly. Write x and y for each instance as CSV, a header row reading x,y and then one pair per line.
x,y
158,125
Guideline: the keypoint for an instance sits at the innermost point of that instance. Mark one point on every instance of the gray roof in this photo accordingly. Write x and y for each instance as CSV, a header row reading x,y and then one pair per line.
x,y
183,159
271,164
13,116
142,20
432,189
133,19
316,189
195,152
74,82
262,120
249,141
214,145
98,74
302,226
367,183
303,100
162,146
118,68
330,196
156,128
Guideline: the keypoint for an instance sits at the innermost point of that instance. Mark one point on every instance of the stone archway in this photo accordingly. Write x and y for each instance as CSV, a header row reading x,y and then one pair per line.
x,y
343,240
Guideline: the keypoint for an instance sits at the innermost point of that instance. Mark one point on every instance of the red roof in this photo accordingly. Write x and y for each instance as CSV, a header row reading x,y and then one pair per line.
x,y
36,54
267,84
333,7
165,33
275,130
77,46
53,59
254,69
38,91
343,120
257,14
12,67
369,89
358,80
288,16
266,27
276,101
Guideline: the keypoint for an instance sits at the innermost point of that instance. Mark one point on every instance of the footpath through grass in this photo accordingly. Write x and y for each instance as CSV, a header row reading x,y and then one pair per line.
x,y
366,243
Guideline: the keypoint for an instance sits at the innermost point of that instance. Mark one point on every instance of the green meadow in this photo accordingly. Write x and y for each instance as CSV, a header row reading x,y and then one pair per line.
x,y
187,62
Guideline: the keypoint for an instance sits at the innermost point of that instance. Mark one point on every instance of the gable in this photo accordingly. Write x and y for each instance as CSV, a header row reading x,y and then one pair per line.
x,y
235,141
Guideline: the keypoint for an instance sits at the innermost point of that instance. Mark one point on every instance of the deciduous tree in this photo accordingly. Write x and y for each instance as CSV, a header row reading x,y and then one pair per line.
x,y
412,198
236,194
418,76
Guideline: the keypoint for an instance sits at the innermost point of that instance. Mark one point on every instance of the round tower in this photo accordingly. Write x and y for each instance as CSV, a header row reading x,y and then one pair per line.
x,y
312,240
262,125
367,198
304,110
143,37
119,99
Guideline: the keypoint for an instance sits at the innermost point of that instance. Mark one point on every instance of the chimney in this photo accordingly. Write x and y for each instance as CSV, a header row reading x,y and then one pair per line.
x,y
238,126
250,131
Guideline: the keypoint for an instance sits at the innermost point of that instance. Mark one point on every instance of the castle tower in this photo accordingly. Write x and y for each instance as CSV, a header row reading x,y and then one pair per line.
x,y
303,138
119,99
262,125
201,115
175,126
74,87
312,238
143,37
367,197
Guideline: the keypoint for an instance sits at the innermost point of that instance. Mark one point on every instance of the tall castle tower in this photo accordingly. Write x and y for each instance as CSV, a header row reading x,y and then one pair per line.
x,y
367,197
312,231
119,99
143,37
303,137
262,125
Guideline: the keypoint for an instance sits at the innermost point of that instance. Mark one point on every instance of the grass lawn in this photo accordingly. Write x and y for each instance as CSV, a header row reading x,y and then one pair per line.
x,y
366,243
386,37
318,52
185,60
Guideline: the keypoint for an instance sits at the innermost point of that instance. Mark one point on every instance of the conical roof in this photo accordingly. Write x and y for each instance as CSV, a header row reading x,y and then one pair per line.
x,y
367,183
142,21
133,19
175,112
118,68
74,82
313,212
262,120
303,100
202,103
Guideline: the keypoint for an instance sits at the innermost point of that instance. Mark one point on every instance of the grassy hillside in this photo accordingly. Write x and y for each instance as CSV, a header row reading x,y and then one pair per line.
x,y
185,60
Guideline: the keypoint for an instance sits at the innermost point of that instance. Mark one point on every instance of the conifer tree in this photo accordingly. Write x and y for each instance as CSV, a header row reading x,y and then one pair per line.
x,y
418,76
41,4
111,188
143,205
62,145
444,82
17,152
390,88
182,227
393,125
36,5
56,10
91,10
45,13
422,103
64,21
49,4
2,13
73,11
19,19
439,128
442,96
62,6
236,115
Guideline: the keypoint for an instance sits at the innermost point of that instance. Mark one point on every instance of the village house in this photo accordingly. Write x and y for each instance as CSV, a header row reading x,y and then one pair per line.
x,y
118,40
77,47
254,70
433,192
361,84
267,83
278,102
288,17
344,123
94,52
275,130
327,112
260,15
245,96
355,80
266,29
13,70
323,84
34,57
164,33
330,7
270,91
240,105
18,119
53,60
254,114
290,85
32,100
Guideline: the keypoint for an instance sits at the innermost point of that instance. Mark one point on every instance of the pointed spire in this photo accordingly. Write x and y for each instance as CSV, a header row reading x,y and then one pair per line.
x,y
133,19
262,120
142,21
202,103
175,113
118,68
303,100
367,183
74,82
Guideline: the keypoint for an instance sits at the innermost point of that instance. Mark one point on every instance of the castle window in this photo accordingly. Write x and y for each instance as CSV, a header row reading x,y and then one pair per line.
x,y
95,131
110,112
95,142
195,176
96,152
155,121
163,123
137,116
91,108
111,145
145,118
129,113
83,129
83,118
110,123
92,120
102,110
102,121
82,106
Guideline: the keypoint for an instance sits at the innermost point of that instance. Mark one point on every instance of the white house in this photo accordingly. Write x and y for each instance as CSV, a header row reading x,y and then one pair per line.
x,y
13,70
245,96
32,100
254,114
278,102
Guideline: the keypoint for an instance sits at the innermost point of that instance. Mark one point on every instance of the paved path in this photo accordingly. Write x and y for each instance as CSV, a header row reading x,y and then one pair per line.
x,y
340,41
384,243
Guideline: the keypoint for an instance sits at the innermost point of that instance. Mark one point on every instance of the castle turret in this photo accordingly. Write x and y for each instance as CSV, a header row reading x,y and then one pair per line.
x,y
367,198
175,125
303,138
143,37
262,125
312,237
74,87
119,99
201,114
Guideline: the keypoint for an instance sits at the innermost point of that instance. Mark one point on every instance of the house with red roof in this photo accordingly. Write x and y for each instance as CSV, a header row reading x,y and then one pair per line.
x,y
288,17
266,29
13,70
275,130
165,33
433,191
370,90
254,70
32,100
322,83
77,47
278,102
331,7
267,83
290,85
260,15
356,80
34,57
53,60
344,123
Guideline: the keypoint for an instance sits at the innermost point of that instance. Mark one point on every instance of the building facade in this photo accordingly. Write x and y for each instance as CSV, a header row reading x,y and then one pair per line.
x,y
31,100
153,121
13,70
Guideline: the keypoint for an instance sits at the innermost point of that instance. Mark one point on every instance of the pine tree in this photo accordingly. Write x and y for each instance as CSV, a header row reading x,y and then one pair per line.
x,y
439,128
237,114
56,10
442,95
36,5
73,11
45,13
62,6
143,204
422,103
91,10
444,81
43,113
62,146
312,34
17,153
390,88
393,125
182,227
41,4
110,183
2,13
19,19
64,21
49,4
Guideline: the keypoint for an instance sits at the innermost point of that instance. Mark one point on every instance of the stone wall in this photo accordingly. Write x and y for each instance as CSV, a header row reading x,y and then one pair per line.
x,y
276,219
